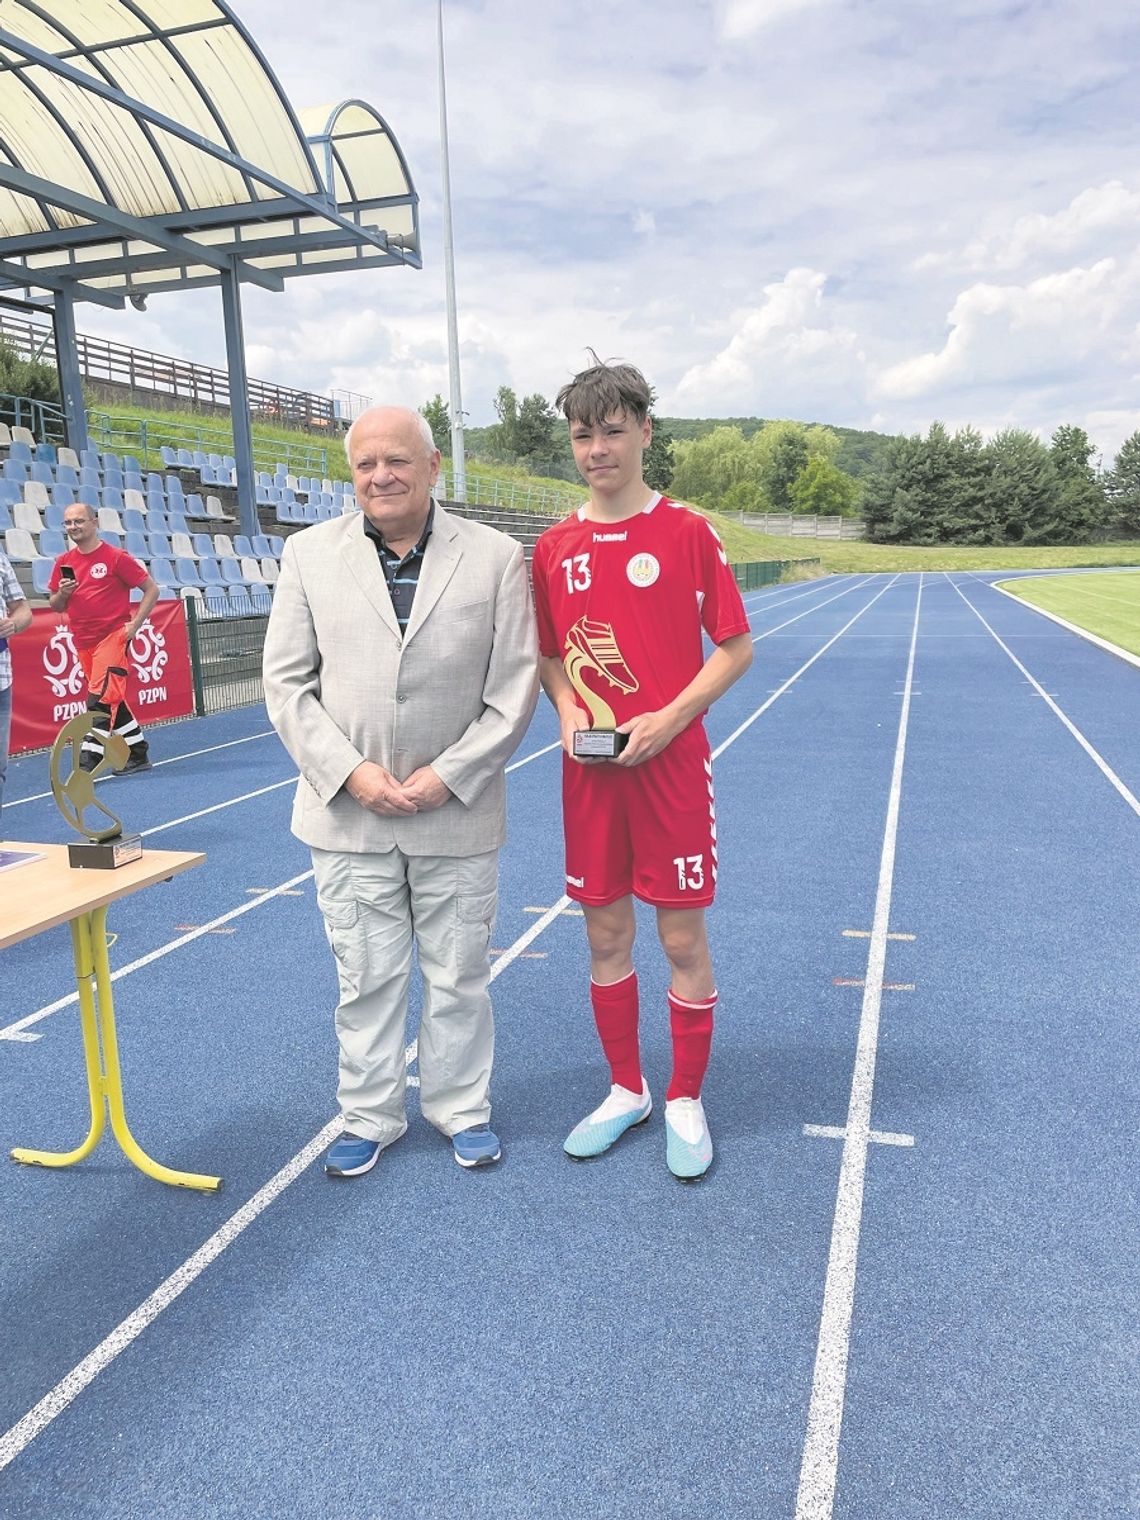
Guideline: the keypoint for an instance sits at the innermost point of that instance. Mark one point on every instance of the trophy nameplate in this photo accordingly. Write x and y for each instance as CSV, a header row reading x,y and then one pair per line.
x,y
100,849
599,743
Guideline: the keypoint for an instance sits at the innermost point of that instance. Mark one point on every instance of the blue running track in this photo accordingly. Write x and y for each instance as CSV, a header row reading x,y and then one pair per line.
x,y
908,1288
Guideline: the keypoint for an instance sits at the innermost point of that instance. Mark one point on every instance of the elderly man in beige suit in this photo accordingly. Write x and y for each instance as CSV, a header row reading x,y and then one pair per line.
x,y
401,674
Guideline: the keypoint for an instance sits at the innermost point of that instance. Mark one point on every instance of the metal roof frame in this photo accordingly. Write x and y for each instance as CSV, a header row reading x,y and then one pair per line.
x,y
146,146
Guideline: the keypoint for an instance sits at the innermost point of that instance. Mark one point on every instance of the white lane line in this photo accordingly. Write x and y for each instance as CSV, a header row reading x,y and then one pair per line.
x,y
875,1136
817,605
1098,760
815,1497
15,1440
172,760
780,690
1055,617
218,806
40,1416
16,1031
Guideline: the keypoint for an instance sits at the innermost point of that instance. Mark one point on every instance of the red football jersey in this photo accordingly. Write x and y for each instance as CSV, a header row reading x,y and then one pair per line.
x,y
101,600
623,605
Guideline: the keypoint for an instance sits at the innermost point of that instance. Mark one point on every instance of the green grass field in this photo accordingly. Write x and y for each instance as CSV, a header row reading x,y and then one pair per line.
x,y
1107,605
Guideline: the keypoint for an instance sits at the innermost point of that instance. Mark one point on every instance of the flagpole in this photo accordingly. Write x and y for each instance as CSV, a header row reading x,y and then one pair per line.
x,y
458,469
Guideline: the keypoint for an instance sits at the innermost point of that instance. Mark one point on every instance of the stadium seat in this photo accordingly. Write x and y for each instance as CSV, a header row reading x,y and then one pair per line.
x,y
134,521
284,513
169,455
5,517
231,572
310,513
52,515
260,546
27,517
261,599
41,574
131,465
134,501
89,460
163,572
242,546
110,520
114,479
110,462
270,570
209,476
215,510
133,481
45,453
187,572
154,484
136,544
35,493
15,469
173,484
5,435
155,521
90,477
42,472
202,545
182,545
66,456
158,546
216,601
19,450
89,496
176,522
68,476
52,543
156,502
195,506
211,572
10,492
251,570
241,604
223,546
276,544
115,540
198,459
113,498
20,546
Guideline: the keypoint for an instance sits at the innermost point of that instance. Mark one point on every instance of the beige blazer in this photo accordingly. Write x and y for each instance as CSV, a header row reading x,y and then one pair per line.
x,y
457,693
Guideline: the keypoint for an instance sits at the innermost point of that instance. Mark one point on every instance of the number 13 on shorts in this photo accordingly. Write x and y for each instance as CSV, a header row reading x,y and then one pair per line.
x,y
690,872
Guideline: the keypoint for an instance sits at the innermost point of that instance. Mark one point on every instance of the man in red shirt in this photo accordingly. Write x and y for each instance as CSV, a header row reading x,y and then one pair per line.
x,y
624,589
92,583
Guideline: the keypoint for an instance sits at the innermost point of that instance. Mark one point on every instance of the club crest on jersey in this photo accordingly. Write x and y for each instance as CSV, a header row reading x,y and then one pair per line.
x,y
642,570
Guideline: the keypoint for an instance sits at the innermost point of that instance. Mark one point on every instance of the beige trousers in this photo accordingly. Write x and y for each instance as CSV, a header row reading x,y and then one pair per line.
x,y
374,907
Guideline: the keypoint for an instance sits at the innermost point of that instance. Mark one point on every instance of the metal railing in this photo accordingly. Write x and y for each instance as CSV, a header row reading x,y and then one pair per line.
x,y
512,495
146,437
43,418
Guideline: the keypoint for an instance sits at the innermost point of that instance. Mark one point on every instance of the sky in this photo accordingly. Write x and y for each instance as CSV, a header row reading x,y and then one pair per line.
x,y
869,213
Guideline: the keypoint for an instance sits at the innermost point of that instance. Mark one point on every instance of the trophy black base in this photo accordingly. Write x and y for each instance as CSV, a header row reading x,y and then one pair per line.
x,y
599,743
104,854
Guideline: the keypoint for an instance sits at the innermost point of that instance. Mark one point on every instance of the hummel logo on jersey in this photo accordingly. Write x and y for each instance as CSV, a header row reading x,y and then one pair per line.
x,y
610,538
576,881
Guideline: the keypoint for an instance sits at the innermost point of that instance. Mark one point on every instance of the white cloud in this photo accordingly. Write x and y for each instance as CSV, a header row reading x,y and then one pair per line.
x,y
741,18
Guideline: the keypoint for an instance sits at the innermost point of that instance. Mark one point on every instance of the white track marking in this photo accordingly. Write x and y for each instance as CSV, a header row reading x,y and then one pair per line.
x,y
20,1435
38,1418
817,605
172,760
1055,617
815,1497
1097,759
875,1136
15,1031
218,806
780,690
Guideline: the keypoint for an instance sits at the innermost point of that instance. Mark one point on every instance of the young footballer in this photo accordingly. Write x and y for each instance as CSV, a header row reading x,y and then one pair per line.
x,y
624,589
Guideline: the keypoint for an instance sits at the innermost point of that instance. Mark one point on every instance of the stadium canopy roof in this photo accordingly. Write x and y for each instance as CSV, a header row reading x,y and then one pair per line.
x,y
145,145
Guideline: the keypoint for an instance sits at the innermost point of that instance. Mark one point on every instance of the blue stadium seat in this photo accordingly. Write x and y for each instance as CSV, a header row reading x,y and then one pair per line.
x,y
10,492
185,460
195,506
114,539
176,521
67,476
136,544
187,572
231,572
89,459
15,469
173,485
155,521
131,466
203,545
261,598
261,546
276,545
154,483
90,477
240,603
111,462
112,478
169,455
52,515
41,573
42,472
20,453
163,572
45,453
158,545
63,496
89,496
112,497
132,481
133,520
198,459
5,517
52,543
211,572
242,546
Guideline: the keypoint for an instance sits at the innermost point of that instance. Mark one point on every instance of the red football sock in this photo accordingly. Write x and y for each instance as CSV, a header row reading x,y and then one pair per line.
x,y
615,1013
691,1024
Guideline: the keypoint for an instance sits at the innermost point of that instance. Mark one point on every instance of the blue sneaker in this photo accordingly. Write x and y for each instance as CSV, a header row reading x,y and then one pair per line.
x,y
350,1156
609,1122
477,1146
688,1144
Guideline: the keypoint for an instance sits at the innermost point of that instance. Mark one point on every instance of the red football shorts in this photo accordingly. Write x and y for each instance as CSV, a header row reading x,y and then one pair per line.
x,y
105,667
649,830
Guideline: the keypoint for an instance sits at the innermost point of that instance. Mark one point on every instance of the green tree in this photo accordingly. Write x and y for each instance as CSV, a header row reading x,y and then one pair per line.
x,y
26,377
1123,486
778,453
822,487
533,429
1024,488
1083,505
658,466
438,419
502,436
705,468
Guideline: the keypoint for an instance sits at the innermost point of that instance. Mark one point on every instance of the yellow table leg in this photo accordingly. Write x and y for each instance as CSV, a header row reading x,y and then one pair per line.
x,y
104,1075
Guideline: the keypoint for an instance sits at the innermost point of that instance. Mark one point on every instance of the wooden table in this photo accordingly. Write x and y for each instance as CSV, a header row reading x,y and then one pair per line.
x,y
40,895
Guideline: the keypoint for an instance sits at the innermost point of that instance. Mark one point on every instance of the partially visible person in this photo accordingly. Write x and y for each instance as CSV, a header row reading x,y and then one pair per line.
x,y
92,584
401,671
625,588
15,616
